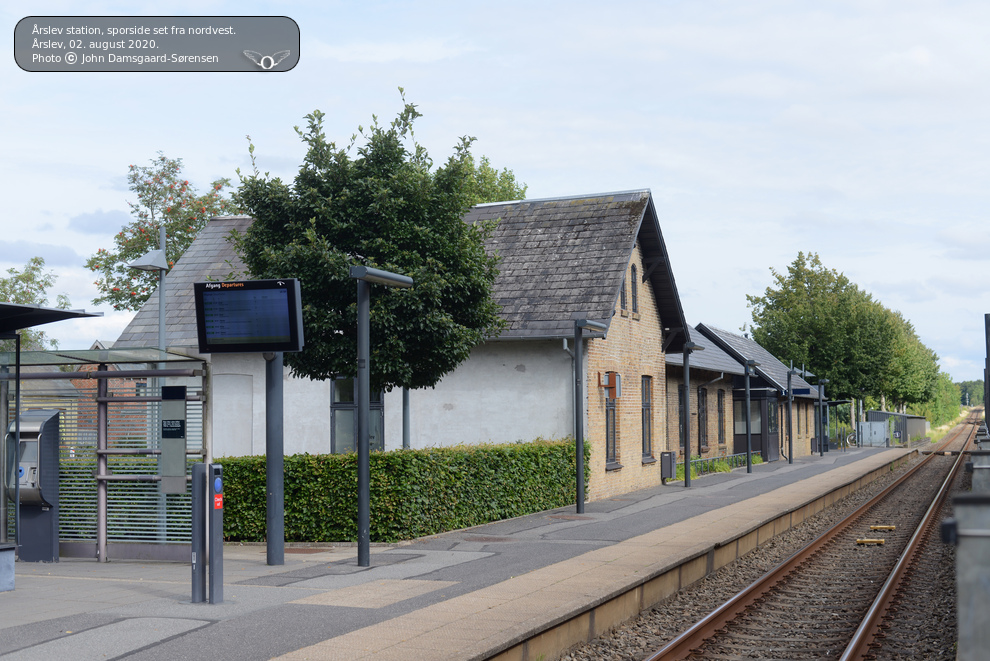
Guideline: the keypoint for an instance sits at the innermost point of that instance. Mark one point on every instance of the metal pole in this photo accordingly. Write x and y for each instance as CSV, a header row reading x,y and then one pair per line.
x,y
749,429
790,416
198,533
161,295
687,417
364,405
406,443
821,418
17,441
274,460
986,372
101,468
578,418
5,416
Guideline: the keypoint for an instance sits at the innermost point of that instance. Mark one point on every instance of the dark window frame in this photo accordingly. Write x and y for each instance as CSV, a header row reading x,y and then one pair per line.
x,y
611,436
680,415
647,416
377,407
634,291
622,296
721,416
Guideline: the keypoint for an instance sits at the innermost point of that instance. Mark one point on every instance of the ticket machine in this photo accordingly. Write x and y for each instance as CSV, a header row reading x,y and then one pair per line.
x,y
35,475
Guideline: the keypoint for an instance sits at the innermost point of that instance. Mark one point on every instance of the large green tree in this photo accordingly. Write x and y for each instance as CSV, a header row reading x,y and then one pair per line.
x,y
30,287
815,316
164,197
387,207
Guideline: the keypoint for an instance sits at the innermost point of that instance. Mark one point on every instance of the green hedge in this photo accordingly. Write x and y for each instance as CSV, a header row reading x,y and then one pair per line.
x,y
413,492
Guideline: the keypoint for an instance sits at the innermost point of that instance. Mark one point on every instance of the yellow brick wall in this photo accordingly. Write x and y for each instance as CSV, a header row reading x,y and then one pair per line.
x,y
698,377
633,349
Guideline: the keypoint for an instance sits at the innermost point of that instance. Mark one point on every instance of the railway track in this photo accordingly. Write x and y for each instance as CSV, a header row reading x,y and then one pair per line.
x,y
823,602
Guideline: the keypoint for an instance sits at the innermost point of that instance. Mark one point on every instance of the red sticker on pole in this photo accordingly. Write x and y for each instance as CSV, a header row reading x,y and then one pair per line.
x,y
218,501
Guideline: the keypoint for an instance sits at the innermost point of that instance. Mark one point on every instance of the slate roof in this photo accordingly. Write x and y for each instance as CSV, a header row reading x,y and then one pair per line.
x,y
743,349
561,259
209,256
713,358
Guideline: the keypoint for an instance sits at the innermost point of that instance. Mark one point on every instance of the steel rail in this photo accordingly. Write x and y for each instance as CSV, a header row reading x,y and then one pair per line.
x,y
689,640
859,646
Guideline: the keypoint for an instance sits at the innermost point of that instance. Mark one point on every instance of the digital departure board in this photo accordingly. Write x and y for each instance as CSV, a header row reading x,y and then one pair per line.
x,y
249,316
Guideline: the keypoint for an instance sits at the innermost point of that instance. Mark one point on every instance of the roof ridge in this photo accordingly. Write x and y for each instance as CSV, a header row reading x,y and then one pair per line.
x,y
564,197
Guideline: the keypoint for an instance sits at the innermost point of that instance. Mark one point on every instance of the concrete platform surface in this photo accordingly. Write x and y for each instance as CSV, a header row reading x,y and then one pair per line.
x,y
469,594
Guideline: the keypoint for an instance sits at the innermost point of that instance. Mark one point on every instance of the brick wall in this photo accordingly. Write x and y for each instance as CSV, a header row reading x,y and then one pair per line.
x,y
633,350
711,384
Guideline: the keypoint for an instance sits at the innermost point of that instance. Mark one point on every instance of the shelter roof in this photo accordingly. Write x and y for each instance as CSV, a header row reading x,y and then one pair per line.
x,y
743,348
712,358
15,316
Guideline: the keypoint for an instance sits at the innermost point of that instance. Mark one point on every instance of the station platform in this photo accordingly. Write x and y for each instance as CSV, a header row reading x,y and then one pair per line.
x,y
521,589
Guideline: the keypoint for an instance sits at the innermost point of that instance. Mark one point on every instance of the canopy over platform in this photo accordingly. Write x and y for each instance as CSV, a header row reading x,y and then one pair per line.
x,y
14,316
95,357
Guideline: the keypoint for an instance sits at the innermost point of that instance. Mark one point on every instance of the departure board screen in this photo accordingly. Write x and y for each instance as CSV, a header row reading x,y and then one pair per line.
x,y
249,316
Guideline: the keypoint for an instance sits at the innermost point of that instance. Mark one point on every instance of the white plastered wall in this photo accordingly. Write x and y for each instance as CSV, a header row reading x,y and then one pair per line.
x,y
505,392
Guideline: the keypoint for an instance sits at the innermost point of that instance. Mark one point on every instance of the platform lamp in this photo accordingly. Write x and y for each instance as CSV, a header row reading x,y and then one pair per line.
x,y
365,276
579,326
156,260
750,365
689,347
821,417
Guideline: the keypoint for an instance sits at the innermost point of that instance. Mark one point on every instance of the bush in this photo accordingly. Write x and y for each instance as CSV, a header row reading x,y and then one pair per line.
x,y
413,492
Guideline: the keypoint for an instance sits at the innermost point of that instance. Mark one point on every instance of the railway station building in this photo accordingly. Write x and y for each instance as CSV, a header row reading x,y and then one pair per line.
x,y
599,257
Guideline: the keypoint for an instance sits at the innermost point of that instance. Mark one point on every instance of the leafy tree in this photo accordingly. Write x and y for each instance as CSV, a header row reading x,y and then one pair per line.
x,y
943,406
164,198
971,392
816,316
30,287
385,207
486,184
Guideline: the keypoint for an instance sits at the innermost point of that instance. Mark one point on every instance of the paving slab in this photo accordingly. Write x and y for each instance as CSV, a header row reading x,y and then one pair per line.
x,y
461,595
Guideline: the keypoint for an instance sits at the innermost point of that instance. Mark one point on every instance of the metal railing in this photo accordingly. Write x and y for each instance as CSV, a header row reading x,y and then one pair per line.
x,y
722,464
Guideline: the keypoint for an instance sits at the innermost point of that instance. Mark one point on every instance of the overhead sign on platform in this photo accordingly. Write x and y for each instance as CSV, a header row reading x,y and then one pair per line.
x,y
801,391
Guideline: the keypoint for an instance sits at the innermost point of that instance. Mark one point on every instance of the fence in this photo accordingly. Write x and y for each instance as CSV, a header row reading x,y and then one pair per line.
x,y
137,511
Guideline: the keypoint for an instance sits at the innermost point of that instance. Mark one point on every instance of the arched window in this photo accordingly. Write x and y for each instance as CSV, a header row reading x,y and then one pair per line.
x,y
622,295
635,290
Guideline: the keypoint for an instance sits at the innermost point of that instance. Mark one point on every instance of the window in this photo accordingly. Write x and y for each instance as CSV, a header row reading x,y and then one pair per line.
x,y
772,417
343,418
611,455
798,417
739,416
680,414
721,417
622,295
634,286
702,419
647,416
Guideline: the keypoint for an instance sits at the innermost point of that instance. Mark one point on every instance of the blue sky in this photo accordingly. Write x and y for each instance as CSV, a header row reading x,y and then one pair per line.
x,y
857,130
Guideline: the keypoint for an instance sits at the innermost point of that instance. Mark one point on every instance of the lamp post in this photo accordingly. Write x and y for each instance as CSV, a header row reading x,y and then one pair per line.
x,y
750,365
821,416
365,275
579,326
156,260
689,346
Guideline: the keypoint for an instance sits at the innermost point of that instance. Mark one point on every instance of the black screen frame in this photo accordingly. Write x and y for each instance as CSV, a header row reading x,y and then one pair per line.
x,y
293,314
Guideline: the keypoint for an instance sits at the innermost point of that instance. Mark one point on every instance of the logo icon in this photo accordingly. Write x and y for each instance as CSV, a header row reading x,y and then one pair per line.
x,y
266,62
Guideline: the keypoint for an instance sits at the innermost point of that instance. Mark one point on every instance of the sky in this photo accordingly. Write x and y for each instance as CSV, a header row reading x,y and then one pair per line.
x,y
859,131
